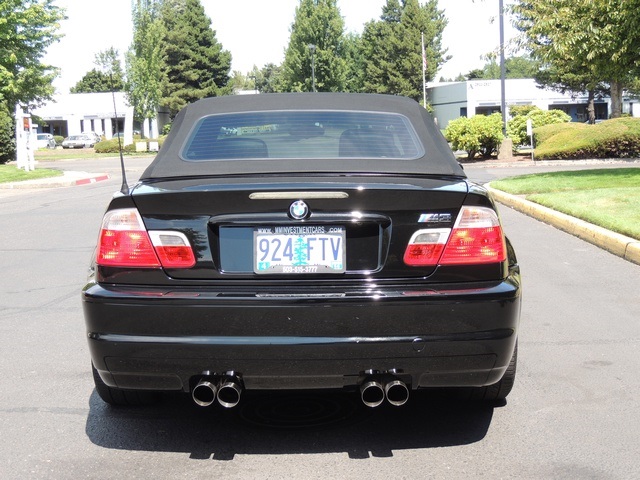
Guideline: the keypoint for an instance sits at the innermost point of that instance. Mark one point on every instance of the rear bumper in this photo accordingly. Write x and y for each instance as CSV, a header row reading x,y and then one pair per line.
x,y
160,339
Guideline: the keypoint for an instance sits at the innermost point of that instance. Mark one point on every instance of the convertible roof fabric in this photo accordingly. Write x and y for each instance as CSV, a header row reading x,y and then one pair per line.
x,y
437,159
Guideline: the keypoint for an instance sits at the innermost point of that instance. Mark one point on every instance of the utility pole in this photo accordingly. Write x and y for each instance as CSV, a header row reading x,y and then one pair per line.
x,y
312,49
503,73
505,151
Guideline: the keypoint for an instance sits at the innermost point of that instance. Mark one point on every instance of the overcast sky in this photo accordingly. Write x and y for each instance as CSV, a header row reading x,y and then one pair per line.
x,y
256,32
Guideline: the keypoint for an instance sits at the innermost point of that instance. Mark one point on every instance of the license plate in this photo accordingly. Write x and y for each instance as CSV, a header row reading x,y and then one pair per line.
x,y
299,250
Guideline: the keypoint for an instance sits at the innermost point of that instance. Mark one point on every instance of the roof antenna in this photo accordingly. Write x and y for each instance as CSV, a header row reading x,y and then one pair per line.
x,y
124,188
106,61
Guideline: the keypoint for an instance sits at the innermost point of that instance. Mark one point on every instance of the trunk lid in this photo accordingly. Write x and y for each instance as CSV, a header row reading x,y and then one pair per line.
x,y
234,223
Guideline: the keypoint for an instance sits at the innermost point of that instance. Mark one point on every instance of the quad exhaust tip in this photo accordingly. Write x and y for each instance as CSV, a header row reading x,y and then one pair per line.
x,y
377,387
372,393
396,392
227,389
204,393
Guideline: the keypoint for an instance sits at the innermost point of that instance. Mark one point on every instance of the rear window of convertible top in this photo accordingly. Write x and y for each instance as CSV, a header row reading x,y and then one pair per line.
x,y
302,134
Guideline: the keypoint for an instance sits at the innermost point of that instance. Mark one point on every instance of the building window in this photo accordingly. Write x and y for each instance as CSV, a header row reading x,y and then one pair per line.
x,y
487,110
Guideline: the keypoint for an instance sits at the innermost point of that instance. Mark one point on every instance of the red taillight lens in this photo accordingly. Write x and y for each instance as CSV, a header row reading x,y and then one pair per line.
x,y
474,245
476,238
124,242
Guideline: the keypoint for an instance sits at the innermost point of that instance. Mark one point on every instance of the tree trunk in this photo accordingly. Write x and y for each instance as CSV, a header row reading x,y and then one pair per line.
x,y
616,99
591,108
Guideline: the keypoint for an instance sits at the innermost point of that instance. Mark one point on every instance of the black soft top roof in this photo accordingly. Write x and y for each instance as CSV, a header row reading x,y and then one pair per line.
x,y
437,159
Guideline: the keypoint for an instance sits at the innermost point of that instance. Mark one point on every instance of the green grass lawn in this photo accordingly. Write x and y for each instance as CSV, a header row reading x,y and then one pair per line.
x,y
11,173
609,198
46,155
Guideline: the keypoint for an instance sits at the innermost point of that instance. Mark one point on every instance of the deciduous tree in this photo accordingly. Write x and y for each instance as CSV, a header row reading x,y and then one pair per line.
x,y
317,23
108,77
144,59
583,43
27,28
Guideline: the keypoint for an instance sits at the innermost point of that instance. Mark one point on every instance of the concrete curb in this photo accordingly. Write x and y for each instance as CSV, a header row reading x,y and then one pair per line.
x,y
620,245
68,179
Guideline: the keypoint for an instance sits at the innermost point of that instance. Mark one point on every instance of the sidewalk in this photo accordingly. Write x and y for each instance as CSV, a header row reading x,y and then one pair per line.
x,y
67,179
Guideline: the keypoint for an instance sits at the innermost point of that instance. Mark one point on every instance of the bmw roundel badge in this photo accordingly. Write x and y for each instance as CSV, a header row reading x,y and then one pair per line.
x,y
298,210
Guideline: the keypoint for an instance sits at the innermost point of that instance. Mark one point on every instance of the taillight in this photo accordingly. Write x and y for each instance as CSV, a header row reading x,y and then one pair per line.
x,y
426,246
173,249
125,242
476,238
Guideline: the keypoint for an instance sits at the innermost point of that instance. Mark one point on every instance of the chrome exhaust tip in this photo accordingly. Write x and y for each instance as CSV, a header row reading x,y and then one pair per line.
x,y
372,393
396,392
229,391
204,393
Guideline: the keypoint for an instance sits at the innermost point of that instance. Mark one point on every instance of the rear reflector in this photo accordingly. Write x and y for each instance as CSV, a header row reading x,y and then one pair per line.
x,y
476,238
124,242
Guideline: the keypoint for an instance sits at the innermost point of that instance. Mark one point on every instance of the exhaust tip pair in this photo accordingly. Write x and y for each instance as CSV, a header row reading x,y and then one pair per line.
x,y
226,389
374,390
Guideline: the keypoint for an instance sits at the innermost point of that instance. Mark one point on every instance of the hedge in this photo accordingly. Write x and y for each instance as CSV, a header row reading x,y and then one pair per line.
x,y
112,146
615,138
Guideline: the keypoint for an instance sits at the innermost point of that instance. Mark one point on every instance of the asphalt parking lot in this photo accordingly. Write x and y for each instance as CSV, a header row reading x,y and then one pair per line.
x,y
571,413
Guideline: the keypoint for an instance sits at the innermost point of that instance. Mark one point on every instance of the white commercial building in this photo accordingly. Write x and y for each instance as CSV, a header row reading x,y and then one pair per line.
x,y
74,113
473,97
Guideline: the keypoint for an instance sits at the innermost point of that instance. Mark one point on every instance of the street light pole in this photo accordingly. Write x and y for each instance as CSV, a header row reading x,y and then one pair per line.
x,y
312,49
503,102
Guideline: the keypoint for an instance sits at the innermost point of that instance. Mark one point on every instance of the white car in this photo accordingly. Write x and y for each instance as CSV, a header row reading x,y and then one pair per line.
x,y
79,141
94,135
45,140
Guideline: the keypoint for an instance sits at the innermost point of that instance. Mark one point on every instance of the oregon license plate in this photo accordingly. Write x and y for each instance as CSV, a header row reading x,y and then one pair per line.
x,y
299,250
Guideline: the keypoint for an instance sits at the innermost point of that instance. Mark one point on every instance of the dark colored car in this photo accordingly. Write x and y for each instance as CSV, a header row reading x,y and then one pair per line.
x,y
332,242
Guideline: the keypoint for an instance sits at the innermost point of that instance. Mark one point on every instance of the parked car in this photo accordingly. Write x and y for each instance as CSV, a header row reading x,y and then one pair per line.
x,y
335,244
97,138
45,140
79,141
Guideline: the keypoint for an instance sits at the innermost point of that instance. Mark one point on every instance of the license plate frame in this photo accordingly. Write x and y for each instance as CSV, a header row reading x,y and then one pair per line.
x,y
299,250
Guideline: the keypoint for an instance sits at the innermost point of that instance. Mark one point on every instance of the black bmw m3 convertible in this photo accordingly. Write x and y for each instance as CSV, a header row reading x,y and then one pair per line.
x,y
302,241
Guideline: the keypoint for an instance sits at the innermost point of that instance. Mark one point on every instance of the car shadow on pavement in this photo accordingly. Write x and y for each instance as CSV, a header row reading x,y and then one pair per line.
x,y
287,423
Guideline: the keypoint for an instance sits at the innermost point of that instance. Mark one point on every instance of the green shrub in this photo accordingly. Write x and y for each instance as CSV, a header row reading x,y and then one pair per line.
x,y
111,146
7,135
59,139
479,134
616,138
521,110
517,126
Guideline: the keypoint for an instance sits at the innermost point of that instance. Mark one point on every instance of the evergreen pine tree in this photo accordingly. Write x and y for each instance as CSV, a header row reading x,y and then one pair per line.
x,y
194,63
392,47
